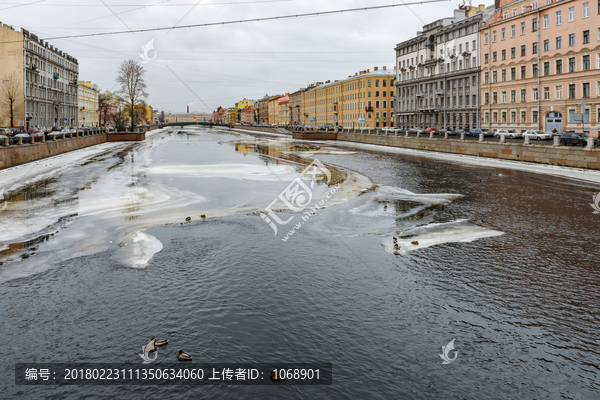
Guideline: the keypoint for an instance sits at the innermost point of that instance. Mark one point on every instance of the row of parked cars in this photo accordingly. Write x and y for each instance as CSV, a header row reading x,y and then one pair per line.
x,y
35,135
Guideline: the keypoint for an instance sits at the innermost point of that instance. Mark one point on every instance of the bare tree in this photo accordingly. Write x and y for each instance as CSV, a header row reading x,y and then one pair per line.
x,y
10,90
133,87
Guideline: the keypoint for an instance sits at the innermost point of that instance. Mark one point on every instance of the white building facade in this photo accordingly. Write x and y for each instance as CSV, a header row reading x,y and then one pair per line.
x,y
438,75
50,84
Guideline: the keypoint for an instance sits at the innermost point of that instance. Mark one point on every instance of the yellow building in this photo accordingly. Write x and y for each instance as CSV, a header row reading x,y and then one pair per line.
x,y
283,104
367,96
295,106
231,115
244,103
87,100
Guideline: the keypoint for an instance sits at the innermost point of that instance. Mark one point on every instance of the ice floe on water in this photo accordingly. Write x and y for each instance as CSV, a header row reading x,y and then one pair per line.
x,y
231,171
432,234
138,249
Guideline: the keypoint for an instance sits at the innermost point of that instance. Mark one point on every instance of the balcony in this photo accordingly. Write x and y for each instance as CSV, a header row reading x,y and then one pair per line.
x,y
56,76
420,94
439,92
369,108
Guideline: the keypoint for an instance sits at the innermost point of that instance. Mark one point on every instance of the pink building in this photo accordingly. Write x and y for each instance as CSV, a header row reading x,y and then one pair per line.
x,y
247,115
540,60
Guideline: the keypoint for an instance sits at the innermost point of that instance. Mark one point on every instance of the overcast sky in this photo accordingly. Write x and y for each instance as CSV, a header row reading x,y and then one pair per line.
x,y
223,64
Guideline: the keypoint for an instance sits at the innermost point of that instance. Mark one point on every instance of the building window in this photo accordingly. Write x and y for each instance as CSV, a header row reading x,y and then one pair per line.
x,y
586,9
535,48
494,76
495,117
369,82
572,91
494,36
503,117
535,117
586,37
572,39
487,98
558,92
513,96
534,25
503,54
487,77
534,94
572,64
586,89
523,95
523,69
486,39
513,117
486,58
558,18
534,5
513,31
546,21
503,33
513,74
523,51
523,117
558,42
534,70
547,45
524,9
377,93
571,14
505,14
504,96
495,97
547,68
504,75
547,93
494,56
586,63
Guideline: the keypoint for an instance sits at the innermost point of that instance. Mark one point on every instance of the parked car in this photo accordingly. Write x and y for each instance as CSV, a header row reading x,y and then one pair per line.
x,y
451,132
572,138
24,136
475,132
538,135
509,133
459,131
5,131
429,130
327,126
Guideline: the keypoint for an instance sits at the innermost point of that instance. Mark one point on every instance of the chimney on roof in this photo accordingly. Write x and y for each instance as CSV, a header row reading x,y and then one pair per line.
x,y
385,68
376,68
327,81
368,70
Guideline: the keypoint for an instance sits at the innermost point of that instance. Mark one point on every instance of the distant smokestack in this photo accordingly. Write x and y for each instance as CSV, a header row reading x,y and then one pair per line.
x,y
188,109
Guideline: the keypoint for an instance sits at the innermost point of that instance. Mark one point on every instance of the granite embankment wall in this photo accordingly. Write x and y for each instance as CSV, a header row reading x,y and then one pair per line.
x,y
570,156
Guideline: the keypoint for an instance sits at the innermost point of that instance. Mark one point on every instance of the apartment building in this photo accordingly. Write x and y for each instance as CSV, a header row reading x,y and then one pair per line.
x,y
87,100
365,99
541,59
48,78
438,73
295,106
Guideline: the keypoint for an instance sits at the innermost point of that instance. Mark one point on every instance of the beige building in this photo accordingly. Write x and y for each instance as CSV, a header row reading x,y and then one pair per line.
x,y
283,110
188,117
295,106
366,96
263,110
540,60
231,115
47,78
87,100
273,110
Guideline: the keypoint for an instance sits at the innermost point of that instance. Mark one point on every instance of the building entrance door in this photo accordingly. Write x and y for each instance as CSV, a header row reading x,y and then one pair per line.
x,y
553,121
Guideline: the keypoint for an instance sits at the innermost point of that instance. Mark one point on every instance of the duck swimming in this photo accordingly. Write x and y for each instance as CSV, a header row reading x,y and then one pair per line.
x,y
183,356
161,342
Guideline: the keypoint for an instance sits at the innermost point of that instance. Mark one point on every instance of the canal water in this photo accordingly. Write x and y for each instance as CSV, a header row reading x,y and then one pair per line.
x,y
173,238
